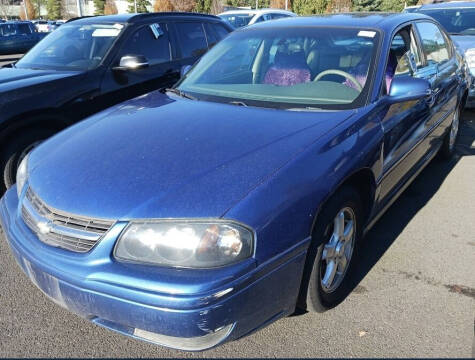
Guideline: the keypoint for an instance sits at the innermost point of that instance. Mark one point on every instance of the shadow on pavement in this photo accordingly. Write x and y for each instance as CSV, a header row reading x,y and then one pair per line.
x,y
414,198
379,239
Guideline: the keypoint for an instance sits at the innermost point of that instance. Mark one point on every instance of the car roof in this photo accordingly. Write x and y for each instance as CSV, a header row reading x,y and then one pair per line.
x,y
137,18
17,22
376,20
448,5
256,11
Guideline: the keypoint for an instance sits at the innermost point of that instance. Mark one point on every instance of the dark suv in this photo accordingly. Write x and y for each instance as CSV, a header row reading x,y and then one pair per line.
x,y
90,64
17,37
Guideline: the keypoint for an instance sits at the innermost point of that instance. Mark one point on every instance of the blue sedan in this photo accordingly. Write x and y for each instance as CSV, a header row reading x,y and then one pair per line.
x,y
197,215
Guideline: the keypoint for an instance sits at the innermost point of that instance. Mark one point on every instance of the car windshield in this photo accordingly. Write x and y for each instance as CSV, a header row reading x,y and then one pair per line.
x,y
238,20
287,68
459,21
72,47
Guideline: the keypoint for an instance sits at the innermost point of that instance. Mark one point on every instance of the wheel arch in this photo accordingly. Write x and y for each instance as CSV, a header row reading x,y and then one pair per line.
x,y
364,182
45,118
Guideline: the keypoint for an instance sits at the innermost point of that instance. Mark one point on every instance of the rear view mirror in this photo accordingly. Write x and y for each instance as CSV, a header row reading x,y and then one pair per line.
x,y
131,62
407,88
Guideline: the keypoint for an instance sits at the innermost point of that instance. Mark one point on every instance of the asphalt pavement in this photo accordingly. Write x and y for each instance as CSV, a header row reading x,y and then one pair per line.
x,y
415,296
7,59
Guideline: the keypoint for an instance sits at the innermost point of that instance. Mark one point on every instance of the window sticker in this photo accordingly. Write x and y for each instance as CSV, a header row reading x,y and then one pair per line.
x,y
365,33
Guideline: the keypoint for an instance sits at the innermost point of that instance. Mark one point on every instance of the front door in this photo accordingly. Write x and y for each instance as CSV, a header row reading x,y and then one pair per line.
x,y
153,42
404,124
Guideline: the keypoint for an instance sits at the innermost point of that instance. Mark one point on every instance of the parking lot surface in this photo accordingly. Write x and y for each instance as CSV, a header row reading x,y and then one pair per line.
x,y
415,297
7,59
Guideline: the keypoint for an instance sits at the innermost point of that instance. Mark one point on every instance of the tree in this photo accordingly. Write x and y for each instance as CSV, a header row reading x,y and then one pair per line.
x,y
162,5
99,6
4,4
337,6
27,11
141,6
396,5
216,7
278,4
110,8
203,6
183,5
367,5
53,7
309,7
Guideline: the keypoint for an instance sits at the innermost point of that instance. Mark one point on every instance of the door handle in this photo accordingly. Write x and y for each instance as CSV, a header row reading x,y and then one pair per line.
x,y
430,97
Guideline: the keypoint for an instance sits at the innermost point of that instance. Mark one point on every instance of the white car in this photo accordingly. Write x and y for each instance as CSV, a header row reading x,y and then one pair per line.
x,y
43,26
240,18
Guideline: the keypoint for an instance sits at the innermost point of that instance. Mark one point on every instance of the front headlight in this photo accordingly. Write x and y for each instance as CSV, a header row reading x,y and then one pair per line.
x,y
470,57
185,243
22,175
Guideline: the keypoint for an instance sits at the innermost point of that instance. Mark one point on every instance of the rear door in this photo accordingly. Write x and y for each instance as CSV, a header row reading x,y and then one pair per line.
x,y
191,41
440,69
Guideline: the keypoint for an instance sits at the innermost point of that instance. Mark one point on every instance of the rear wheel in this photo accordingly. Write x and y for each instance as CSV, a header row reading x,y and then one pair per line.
x,y
329,264
15,151
448,146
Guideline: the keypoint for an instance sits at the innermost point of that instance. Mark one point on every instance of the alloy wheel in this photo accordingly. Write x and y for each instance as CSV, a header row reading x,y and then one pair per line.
x,y
454,129
337,252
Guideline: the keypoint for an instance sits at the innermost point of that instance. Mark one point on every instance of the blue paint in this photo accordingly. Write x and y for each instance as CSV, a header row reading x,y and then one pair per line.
x,y
162,156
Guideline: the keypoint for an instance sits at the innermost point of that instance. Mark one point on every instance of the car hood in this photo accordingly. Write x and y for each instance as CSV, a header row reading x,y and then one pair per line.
x,y
166,157
464,42
14,78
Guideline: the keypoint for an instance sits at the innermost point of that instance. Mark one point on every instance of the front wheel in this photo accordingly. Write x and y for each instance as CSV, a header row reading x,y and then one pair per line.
x,y
337,233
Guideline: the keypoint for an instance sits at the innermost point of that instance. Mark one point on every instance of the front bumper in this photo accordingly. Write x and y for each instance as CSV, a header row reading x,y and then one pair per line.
x,y
183,309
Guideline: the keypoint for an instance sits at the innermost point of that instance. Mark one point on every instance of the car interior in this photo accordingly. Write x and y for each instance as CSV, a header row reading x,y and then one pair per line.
x,y
301,62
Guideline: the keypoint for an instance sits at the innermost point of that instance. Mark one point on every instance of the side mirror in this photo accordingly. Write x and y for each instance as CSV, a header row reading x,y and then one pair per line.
x,y
184,70
408,88
131,62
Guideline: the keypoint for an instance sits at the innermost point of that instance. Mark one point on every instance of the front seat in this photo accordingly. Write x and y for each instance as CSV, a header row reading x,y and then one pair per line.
x,y
288,69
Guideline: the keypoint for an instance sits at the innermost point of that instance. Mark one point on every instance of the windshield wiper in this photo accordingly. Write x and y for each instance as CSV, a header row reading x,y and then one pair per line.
x,y
306,108
238,103
179,93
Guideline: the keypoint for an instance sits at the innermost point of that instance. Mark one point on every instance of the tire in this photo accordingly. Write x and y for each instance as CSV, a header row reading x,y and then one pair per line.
x,y
15,151
448,146
322,293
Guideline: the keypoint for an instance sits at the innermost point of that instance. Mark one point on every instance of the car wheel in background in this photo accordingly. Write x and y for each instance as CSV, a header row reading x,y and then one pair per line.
x,y
332,257
15,151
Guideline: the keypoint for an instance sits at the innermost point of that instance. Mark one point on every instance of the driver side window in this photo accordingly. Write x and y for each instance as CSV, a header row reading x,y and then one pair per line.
x,y
144,42
403,57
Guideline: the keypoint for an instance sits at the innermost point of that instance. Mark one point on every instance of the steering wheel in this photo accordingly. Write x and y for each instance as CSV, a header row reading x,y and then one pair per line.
x,y
341,73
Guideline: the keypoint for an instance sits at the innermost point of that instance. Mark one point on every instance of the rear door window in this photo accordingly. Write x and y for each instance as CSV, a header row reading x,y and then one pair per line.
x,y
434,44
191,39
24,29
215,33
276,16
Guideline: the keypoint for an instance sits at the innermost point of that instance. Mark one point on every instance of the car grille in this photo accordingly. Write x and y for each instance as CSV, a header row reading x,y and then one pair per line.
x,y
59,229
